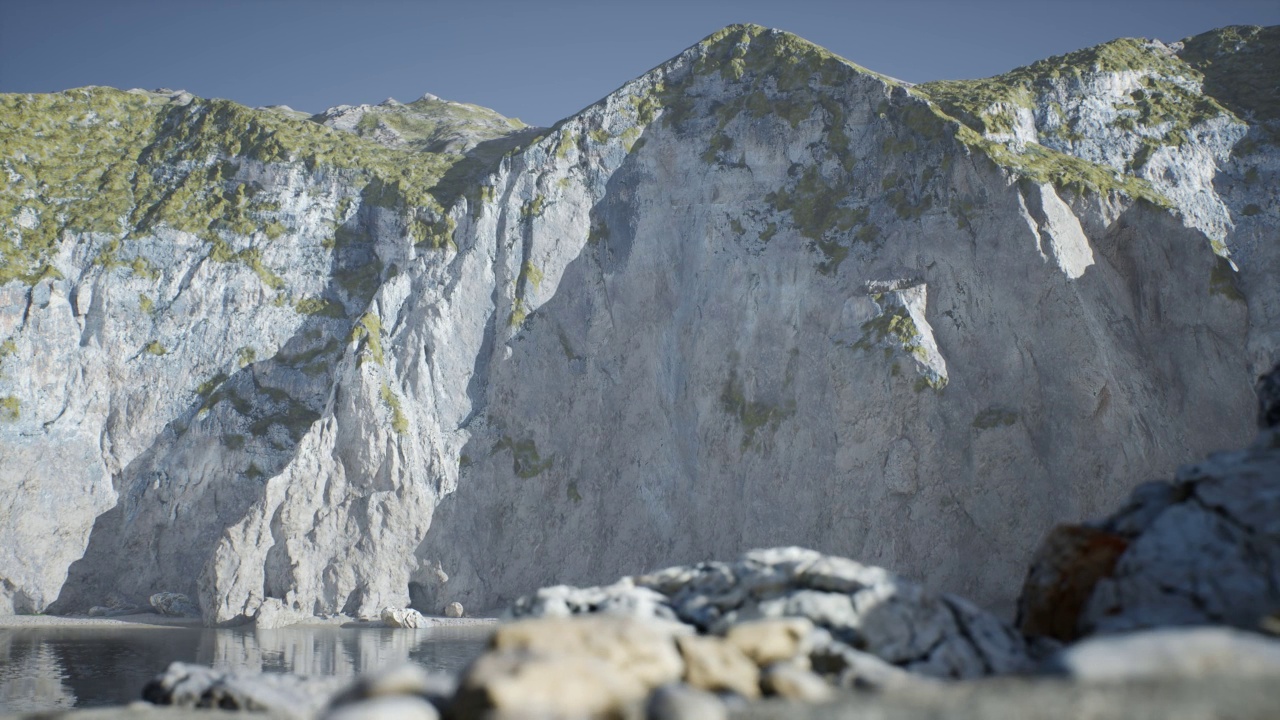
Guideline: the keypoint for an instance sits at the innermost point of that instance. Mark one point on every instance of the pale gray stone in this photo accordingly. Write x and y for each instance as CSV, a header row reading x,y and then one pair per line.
x,y
174,605
276,613
403,618
1169,654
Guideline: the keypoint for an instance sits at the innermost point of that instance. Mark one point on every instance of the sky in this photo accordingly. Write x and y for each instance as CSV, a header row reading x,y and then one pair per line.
x,y
539,61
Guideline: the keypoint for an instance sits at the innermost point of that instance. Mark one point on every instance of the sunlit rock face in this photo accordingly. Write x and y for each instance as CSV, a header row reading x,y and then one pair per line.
x,y
758,296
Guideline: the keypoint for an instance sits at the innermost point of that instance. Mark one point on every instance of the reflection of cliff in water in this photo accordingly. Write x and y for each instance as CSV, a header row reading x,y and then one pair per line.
x,y
51,668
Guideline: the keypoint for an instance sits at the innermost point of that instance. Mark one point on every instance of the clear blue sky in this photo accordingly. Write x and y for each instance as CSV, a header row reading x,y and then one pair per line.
x,y
539,61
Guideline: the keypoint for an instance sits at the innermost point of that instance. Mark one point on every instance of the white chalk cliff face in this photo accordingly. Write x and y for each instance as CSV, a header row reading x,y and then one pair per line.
x,y
759,296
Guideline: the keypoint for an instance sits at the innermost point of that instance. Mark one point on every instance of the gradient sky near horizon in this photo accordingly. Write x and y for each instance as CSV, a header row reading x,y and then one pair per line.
x,y
539,61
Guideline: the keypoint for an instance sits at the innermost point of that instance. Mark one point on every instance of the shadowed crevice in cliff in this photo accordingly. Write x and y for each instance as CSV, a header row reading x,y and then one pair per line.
x,y
243,429
464,176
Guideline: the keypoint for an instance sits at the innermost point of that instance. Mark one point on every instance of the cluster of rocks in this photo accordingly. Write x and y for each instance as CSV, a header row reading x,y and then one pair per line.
x,y
865,616
396,617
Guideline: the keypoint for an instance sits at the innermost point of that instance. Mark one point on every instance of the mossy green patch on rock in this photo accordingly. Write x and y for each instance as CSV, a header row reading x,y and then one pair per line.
x,y
122,163
518,313
433,232
251,258
10,409
753,415
819,212
533,208
526,462
399,422
321,307
155,348
207,388
369,329
531,275
895,324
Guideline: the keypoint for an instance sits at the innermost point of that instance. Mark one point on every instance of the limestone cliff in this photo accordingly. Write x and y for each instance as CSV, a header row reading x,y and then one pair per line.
x,y
757,296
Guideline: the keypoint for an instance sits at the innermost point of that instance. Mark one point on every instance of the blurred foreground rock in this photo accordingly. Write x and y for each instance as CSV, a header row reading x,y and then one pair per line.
x,y
196,686
853,608
1202,549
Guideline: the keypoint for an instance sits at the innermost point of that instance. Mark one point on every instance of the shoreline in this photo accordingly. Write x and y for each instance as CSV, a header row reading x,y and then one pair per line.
x,y
142,621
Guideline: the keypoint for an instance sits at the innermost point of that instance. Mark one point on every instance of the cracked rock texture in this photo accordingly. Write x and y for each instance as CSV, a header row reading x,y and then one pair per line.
x,y
418,354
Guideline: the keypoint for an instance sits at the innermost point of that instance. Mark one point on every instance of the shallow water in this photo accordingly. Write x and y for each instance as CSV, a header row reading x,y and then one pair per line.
x,y
48,668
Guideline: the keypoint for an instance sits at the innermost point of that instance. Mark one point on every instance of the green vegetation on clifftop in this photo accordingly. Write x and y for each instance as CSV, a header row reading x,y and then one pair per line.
x,y
121,164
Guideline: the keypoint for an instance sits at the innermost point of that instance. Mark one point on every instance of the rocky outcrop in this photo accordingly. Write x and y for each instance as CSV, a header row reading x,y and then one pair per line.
x,y
853,610
758,296
1202,549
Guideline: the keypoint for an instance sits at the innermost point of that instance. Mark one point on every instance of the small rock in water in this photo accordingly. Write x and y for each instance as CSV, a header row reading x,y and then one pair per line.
x,y
403,618
453,610
174,605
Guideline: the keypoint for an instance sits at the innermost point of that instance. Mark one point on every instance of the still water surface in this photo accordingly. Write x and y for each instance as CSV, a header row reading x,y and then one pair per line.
x,y
49,668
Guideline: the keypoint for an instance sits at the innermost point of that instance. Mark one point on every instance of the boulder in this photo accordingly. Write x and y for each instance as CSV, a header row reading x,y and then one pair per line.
x,y
403,618
453,610
174,605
